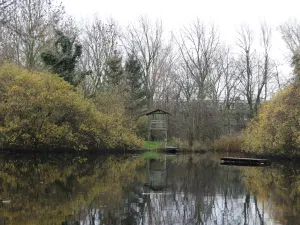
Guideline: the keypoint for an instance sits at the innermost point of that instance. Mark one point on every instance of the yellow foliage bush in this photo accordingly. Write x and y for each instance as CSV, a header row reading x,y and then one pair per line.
x,y
41,110
276,130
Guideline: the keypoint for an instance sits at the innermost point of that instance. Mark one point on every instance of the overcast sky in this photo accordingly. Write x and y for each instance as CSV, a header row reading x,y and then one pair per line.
x,y
226,14
174,13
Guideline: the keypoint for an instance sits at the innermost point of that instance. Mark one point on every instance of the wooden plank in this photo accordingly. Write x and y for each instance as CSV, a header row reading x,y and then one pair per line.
x,y
244,164
158,128
171,148
243,159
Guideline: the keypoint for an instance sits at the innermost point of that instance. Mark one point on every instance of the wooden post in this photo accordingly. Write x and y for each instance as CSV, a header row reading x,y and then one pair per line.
x,y
149,131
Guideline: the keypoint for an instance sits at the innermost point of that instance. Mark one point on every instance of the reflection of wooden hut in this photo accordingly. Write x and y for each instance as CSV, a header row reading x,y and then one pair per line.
x,y
157,171
158,125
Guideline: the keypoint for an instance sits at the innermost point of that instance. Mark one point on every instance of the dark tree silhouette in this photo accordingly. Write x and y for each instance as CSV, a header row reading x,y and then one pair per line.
x,y
63,58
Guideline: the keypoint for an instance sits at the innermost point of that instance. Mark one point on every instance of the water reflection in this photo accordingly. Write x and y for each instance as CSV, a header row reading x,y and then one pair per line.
x,y
186,189
157,174
201,192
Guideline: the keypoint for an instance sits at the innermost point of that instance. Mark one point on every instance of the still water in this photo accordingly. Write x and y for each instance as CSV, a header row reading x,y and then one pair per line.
x,y
175,189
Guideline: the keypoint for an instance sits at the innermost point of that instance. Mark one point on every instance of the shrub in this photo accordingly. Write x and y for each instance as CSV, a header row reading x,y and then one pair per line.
x,y
142,126
184,145
276,130
41,110
232,143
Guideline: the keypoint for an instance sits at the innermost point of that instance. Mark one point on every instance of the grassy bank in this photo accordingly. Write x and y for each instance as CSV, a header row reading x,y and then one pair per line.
x,y
156,145
182,146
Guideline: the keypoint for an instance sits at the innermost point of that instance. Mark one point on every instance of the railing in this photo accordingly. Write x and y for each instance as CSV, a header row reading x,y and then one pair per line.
x,y
158,125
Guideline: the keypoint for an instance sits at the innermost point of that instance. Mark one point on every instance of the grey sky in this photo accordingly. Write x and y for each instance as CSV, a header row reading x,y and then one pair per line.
x,y
174,13
226,14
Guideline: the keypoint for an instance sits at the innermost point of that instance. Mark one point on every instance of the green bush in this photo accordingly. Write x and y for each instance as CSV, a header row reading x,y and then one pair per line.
x,y
42,111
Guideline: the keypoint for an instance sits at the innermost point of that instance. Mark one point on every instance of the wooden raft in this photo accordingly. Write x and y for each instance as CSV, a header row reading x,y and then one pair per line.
x,y
244,161
171,149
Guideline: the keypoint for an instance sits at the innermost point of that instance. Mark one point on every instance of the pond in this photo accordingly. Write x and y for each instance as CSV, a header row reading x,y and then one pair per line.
x,y
179,189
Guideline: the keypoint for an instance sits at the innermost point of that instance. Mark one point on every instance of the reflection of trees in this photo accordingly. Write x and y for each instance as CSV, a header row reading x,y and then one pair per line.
x,y
200,191
277,189
63,188
110,190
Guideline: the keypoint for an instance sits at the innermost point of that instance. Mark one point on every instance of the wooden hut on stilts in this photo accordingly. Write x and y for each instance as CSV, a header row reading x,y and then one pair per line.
x,y
158,127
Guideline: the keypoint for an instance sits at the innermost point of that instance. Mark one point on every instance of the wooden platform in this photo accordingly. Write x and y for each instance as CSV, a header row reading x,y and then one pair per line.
x,y
244,161
171,149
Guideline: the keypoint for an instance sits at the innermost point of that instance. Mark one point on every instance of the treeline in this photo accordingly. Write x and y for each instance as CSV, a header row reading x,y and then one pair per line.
x,y
190,73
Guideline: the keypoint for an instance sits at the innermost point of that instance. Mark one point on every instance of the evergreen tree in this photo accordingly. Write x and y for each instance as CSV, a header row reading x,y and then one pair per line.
x,y
63,58
115,71
134,80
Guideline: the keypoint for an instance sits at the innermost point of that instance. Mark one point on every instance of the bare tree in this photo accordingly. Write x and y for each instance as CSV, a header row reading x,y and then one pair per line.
x,y
291,35
226,65
186,92
99,40
30,28
145,41
186,83
246,64
290,31
166,88
223,85
6,10
199,46
255,69
223,78
266,67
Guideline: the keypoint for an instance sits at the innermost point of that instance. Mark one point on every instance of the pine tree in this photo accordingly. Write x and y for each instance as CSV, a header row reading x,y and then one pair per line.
x,y
63,58
115,72
134,76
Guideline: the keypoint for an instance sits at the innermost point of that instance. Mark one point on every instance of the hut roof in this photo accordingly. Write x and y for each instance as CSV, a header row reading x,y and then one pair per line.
x,y
157,111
